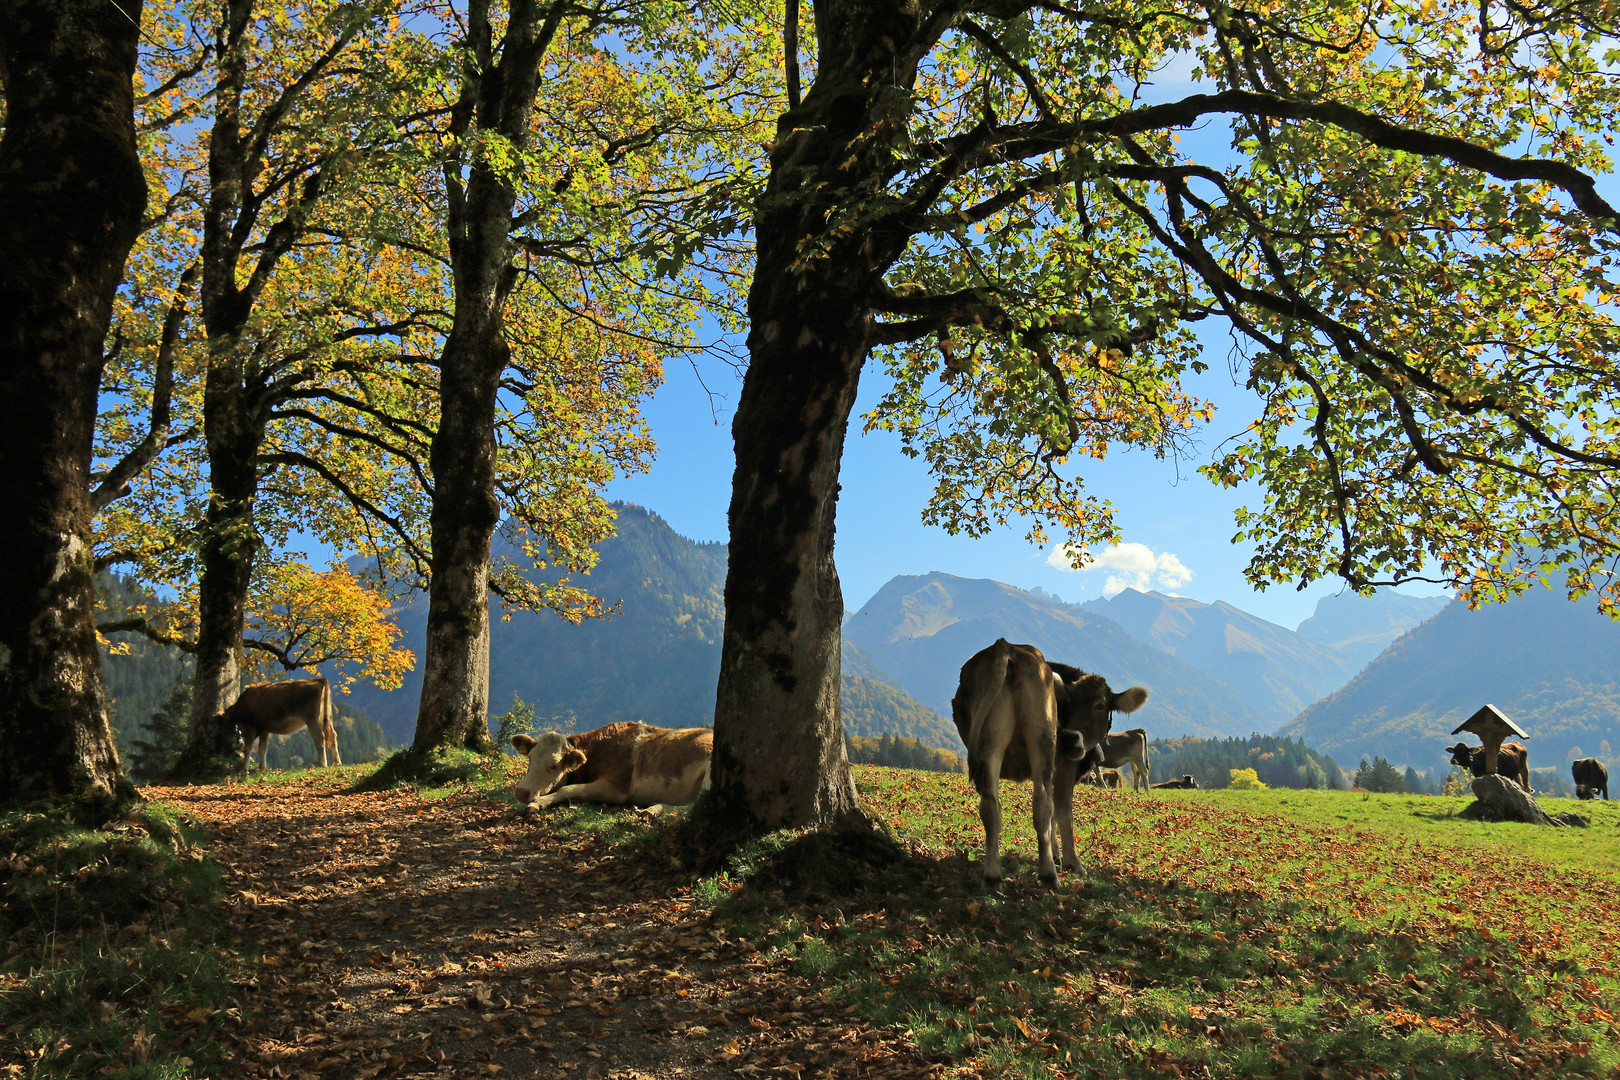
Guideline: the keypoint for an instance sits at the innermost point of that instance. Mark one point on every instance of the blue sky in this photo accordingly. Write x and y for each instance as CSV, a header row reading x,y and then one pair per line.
x,y
1177,526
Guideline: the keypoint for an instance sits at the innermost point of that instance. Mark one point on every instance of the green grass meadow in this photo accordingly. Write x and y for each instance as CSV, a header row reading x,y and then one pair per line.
x,y
1209,933
1214,934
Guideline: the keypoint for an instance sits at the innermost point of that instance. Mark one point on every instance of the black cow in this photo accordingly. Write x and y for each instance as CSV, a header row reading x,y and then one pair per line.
x,y
1512,761
1591,777
1186,781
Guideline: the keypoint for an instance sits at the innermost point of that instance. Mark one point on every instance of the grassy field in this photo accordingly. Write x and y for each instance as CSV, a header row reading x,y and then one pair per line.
x,y
1276,934
1208,934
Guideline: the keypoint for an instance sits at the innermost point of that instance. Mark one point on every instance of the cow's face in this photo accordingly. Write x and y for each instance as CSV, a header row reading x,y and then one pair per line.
x,y
1460,755
1086,709
551,758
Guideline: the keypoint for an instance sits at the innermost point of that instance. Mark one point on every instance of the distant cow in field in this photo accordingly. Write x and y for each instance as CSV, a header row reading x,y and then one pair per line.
x,y
1110,778
281,708
1023,718
622,764
1120,748
1512,761
1591,777
1186,781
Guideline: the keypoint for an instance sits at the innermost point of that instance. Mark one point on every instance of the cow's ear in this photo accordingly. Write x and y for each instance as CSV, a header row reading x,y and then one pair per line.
x,y
573,759
522,743
1131,700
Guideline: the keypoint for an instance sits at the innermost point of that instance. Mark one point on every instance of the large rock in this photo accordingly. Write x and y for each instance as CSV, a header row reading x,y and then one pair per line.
x,y
1500,799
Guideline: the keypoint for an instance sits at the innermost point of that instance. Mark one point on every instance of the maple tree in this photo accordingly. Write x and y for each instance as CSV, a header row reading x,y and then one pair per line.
x,y
569,177
327,621
288,118
998,197
71,198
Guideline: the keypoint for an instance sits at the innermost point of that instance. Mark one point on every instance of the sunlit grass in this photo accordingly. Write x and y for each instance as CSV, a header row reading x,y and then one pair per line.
x,y
1213,934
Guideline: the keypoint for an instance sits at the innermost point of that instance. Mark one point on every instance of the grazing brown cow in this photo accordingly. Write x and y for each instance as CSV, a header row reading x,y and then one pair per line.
x,y
1591,777
281,708
1186,781
1512,761
622,764
1111,778
1019,717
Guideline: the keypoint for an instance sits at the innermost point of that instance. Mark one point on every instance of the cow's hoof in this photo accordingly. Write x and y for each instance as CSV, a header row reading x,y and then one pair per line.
x,y
1050,880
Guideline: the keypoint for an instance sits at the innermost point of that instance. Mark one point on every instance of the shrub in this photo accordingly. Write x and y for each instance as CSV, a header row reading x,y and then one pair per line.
x,y
1245,780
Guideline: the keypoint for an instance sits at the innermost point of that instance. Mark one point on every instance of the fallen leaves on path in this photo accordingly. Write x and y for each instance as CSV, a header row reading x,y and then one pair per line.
x,y
387,935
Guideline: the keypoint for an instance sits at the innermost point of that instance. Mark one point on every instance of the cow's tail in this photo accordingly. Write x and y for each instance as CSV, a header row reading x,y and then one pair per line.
x,y
328,727
995,683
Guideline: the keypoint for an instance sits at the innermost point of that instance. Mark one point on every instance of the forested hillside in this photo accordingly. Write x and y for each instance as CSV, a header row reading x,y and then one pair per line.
x,y
656,659
1277,762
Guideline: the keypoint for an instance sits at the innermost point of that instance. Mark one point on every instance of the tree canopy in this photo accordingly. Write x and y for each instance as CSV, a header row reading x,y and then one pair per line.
x,y
1391,208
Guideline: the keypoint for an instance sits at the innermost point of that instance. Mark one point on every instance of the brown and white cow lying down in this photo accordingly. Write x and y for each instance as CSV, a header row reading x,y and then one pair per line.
x,y
1186,781
281,708
1023,718
1591,776
1512,761
623,764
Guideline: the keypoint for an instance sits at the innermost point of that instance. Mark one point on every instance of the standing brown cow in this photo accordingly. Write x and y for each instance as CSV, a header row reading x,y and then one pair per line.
x,y
1022,718
281,708
1512,761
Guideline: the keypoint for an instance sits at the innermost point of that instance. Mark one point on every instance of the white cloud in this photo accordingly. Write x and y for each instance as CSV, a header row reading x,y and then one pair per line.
x,y
1130,566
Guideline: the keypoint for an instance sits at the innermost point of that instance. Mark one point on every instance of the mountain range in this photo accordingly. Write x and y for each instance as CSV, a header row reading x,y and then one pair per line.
x,y
1551,666
921,629
1213,670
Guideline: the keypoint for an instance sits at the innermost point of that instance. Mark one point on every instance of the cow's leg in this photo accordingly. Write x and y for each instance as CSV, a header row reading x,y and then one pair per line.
x,y
264,750
318,737
597,791
1040,771
990,816
1063,806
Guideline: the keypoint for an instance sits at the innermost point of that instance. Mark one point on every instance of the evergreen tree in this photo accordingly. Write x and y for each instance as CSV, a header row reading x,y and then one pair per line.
x,y
166,729
1415,783
1380,776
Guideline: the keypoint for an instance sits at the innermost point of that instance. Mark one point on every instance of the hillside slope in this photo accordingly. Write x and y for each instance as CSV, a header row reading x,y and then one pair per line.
x,y
1361,627
1552,666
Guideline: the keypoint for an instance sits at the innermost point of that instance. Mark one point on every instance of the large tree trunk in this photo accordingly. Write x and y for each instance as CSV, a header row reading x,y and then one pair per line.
x,y
454,707
779,743
71,199
233,416
779,748
497,94
225,565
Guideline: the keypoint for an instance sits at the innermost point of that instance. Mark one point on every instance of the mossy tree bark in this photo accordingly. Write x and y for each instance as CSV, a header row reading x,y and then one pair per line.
x,y
779,751
71,199
497,95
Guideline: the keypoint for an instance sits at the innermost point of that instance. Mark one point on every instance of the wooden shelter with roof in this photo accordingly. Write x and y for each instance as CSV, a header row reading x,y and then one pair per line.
x,y
1493,728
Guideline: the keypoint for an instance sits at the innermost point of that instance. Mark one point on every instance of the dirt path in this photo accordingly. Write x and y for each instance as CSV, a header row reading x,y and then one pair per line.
x,y
404,937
